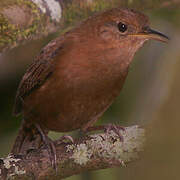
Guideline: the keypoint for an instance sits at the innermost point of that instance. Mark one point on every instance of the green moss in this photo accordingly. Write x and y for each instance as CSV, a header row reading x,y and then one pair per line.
x,y
10,34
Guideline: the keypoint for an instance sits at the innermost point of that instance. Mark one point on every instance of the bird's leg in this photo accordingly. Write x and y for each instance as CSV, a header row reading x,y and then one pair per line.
x,y
50,145
107,128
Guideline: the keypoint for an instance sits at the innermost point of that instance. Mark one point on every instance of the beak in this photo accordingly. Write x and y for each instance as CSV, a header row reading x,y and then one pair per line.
x,y
152,34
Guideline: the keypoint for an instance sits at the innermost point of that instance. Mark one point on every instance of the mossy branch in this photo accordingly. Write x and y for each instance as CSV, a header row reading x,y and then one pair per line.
x,y
24,20
91,152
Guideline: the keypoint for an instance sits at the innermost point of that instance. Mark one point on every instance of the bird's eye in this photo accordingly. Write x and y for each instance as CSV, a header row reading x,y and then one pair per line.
x,y
122,27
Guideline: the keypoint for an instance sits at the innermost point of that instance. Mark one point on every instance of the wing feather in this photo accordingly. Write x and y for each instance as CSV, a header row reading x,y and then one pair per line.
x,y
37,73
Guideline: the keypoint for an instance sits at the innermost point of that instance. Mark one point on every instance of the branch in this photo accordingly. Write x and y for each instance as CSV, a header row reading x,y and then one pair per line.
x,y
91,152
24,20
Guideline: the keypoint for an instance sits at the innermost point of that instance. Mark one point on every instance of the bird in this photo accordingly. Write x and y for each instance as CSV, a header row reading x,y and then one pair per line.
x,y
77,76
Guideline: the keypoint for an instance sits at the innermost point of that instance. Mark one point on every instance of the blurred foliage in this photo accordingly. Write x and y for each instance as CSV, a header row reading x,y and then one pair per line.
x,y
150,97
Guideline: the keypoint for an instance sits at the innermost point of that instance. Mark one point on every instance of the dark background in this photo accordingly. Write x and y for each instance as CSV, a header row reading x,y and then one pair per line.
x,y
150,97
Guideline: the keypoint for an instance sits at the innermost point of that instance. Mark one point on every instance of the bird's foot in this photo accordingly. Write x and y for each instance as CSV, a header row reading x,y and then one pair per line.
x,y
107,128
64,139
51,147
116,129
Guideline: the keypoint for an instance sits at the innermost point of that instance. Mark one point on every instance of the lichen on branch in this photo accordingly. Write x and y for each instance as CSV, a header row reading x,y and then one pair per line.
x,y
24,20
92,152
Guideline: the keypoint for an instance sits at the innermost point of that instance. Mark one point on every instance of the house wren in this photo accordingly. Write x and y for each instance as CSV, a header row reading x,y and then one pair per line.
x,y
78,75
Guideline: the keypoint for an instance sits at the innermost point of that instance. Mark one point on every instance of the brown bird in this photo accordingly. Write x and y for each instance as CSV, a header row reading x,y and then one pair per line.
x,y
77,76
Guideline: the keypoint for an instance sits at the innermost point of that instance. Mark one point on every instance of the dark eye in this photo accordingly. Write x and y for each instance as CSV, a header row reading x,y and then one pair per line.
x,y
122,27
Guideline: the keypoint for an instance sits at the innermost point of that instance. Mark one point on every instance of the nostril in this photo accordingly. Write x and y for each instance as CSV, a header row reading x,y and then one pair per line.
x,y
145,29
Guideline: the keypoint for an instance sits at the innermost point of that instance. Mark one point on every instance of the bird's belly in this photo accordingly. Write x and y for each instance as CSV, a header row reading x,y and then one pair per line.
x,y
68,111
75,114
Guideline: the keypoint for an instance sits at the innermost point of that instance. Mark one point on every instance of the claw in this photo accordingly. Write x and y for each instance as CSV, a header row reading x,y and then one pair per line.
x,y
63,138
51,147
115,129
107,128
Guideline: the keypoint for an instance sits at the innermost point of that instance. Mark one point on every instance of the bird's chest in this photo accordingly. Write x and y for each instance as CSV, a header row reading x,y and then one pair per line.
x,y
78,93
88,93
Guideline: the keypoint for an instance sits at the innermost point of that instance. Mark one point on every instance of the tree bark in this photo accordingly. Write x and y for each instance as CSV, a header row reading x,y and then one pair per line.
x,y
24,20
91,152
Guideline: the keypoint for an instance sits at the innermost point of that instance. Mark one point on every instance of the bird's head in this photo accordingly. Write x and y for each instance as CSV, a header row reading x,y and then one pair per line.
x,y
122,27
116,35
126,24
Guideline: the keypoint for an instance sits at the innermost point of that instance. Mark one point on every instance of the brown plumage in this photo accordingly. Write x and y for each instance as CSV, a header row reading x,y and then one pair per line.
x,y
77,76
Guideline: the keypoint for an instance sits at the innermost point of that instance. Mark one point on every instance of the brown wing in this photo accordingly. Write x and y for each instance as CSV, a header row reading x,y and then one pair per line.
x,y
37,73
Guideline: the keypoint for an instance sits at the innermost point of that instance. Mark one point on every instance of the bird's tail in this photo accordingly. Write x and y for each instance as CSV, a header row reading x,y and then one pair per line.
x,y
28,138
